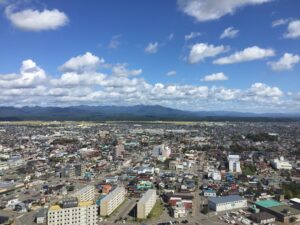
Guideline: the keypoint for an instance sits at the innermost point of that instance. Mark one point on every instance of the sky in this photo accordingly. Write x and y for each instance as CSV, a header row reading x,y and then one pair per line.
x,y
199,55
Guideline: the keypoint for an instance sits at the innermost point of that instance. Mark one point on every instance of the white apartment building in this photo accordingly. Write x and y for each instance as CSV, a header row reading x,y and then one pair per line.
x,y
85,194
112,201
234,163
72,212
281,164
146,203
225,203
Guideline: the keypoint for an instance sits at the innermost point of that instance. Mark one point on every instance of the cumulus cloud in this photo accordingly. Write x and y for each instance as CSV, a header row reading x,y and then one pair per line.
x,y
229,32
200,51
293,30
286,62
122,71
171,73
152,48
205,10
248,54
192,35
80,63
215,77
35,20
119,86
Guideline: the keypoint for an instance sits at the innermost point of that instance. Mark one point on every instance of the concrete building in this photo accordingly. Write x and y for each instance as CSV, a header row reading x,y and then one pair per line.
x,y
234,163
179,211
281,164
263,218
70,211
282,211
112,201
146,203
161,152
118,151
225,203
85,194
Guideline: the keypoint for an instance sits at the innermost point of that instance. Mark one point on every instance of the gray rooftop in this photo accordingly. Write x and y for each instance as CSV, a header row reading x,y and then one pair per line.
x,y
225,199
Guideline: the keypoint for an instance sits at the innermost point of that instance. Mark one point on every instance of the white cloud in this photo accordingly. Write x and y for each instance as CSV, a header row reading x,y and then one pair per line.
x,y
31,86
215,77
35,20
171,73
248,54
286,62
121,71
200,51
262,90
293,30
192,35
280,22
80,63
229,32
152,48
171,36
205,10
115,41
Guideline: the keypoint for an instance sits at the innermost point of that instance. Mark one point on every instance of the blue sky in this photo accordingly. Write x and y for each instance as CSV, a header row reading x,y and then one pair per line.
x,y
169,52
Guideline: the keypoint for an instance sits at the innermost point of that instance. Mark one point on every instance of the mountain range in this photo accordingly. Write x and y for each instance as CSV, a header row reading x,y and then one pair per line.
x,y
134,113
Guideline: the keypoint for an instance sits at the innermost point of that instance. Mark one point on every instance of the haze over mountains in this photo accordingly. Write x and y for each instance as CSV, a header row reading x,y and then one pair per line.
x,y
137,112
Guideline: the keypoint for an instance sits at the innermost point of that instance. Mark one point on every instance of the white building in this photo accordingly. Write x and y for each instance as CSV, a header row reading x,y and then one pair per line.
x,y
234,163
214,174
85,194
281,164
162,152
179,210
146,203
112,201
69,211
225,203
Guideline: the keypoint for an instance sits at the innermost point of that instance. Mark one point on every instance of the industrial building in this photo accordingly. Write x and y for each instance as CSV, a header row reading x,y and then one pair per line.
x,y
225,203
64,213
85,194
146,203
281,211
110,202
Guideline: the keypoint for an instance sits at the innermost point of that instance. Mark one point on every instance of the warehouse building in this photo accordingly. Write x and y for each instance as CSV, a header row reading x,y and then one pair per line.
x,y
112,201
225,203
70,211
146,204
281,211
85,194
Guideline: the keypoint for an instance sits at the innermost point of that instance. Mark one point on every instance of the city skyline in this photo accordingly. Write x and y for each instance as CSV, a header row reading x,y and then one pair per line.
x,y
187,54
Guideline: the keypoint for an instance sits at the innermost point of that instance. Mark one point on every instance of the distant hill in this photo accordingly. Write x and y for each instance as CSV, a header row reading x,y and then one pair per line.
x,y
135,113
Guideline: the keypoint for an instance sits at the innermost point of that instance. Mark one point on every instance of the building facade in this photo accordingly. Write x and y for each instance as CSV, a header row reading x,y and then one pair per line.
x,y
146,204
234,163
85,194
225,203
112,201
69,211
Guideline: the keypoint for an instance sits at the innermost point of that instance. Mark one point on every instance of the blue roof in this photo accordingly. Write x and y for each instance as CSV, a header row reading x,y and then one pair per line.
x,y
225,199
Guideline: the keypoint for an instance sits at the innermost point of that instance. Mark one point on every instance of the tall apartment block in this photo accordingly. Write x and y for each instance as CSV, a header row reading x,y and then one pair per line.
x,y
70,211
85,194
112,201
146,204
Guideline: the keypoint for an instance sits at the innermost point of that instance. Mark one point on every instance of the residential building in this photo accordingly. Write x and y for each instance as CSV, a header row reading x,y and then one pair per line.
x,y
234,163
146,203
70,211
112,201
85,194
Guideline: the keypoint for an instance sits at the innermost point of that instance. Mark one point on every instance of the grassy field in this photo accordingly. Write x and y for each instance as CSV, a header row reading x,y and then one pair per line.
x,y
157,210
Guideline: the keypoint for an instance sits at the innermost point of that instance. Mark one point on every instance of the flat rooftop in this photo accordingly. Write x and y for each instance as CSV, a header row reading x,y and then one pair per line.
x,y
268,203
